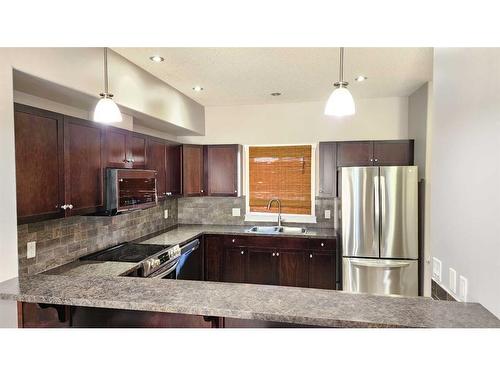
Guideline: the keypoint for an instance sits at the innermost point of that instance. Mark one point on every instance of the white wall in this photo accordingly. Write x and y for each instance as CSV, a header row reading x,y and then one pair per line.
x,y
465,199
292,123
419,128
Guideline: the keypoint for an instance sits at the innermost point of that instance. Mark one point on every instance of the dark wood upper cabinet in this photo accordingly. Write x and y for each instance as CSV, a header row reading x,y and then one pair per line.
x,y
354,154
136,149
328,169
292,268
393,152
156,160
192,170
115,148
234,262
261,266
221,170
39,164
83,166
322,269
173,181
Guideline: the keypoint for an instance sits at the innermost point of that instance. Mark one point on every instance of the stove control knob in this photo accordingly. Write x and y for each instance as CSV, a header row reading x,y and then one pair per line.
x,y
157,262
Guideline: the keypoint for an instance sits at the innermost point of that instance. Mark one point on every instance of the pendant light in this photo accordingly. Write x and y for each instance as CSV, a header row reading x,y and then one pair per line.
x,y
340,102
106,111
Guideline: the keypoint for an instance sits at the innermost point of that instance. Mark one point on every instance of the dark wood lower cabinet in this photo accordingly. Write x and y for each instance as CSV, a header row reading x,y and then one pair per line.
x,y
293,268
261,266
233,265
322,269
261,260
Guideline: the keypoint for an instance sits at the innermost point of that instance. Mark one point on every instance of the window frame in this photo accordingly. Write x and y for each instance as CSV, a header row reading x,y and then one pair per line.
x,y
273,217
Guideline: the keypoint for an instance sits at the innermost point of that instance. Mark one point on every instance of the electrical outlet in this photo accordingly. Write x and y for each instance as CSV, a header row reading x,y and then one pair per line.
x,y
436,269
328,214
452,280
462,295
165,214
236,212
31,249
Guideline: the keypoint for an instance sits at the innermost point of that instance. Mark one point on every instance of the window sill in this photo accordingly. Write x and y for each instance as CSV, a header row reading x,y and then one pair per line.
x,y
286,218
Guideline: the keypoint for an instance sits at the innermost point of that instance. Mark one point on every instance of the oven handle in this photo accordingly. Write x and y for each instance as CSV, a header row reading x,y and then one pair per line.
x,y
167,272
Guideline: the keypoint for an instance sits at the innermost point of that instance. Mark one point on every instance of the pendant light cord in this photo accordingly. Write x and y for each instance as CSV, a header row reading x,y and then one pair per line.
x,y
341,65
106,70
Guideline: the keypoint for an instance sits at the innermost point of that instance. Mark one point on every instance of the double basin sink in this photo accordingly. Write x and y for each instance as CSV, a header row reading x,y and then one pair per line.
x,y
277,230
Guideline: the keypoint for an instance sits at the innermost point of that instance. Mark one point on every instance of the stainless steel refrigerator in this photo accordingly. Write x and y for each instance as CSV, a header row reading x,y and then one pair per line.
x,y
380,230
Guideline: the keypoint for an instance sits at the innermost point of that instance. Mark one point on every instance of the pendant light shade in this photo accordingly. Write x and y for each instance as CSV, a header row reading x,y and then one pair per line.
x,y
340,102
106,111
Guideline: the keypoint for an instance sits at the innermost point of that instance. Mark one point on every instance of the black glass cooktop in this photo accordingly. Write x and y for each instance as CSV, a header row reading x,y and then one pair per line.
x,y
126,252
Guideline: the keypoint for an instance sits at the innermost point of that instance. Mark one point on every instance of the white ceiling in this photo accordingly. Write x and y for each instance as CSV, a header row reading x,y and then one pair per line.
x,y
235,76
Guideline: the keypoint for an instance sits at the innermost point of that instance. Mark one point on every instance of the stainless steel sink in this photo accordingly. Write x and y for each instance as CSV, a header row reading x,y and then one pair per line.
x,y
276,230
265,230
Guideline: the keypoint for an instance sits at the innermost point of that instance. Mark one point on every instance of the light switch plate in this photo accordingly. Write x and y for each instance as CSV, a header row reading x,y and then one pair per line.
x,y
462,295
452,282
436,269
328,214
31,249
236,212
165,214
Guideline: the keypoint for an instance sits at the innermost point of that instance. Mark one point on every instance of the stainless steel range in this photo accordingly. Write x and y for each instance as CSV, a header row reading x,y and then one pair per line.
x,y
156,261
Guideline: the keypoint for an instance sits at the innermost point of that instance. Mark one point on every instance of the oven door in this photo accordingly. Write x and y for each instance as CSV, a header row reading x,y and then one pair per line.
x,y
190,262
168,271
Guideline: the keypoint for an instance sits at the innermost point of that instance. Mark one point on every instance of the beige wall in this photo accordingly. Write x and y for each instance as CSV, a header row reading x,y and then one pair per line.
x,y
465,200
382,118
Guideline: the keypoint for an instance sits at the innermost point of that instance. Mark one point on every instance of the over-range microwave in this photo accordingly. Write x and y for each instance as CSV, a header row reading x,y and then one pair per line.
x,y
130,189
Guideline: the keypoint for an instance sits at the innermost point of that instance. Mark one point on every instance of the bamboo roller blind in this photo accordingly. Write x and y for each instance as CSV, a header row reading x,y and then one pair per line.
x,y
282,172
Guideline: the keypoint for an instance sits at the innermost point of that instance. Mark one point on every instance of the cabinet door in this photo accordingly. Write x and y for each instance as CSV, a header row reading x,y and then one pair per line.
x,y
233,267
192,170
395,153
157,160
328,169
261,266
213,258
353,154
293,268
83,173
322,269
115,146
39,164
221,170
173,168
136,150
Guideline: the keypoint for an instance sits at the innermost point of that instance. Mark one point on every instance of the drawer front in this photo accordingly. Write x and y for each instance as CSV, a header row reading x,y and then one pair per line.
x,y
323,244
267,242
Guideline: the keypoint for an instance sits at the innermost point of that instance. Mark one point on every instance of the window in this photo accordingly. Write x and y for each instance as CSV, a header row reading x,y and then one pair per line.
x,y
282,172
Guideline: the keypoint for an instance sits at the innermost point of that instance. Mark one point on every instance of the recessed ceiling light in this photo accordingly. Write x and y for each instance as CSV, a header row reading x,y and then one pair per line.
x,y
275,93
156,58
198,88
361,78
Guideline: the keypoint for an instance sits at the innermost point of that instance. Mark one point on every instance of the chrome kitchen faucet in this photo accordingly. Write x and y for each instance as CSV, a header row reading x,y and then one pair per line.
x,y
270,203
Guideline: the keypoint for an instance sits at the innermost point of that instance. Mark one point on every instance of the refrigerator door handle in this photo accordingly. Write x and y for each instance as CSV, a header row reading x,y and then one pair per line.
x,y
379,264
376,219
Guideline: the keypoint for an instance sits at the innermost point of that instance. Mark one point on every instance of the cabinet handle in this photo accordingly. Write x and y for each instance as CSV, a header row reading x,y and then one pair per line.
x,y
376,159
371,159
242,252
64,206
70,206
233,240
322,244
236,191
201,191
274,254
277,254
310,255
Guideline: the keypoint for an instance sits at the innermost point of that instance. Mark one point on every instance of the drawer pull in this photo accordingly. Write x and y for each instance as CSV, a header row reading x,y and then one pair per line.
x,y
322,244
310,255
242,252
233,240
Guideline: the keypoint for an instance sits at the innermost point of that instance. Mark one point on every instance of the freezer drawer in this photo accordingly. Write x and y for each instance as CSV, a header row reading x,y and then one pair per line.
x,y
360,211
380,276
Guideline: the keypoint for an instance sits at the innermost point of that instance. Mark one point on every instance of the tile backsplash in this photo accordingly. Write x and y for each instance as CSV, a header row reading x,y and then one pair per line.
x,y
63,240
211,210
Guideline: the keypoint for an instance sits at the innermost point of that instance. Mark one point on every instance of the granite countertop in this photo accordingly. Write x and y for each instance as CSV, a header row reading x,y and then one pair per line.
x,y
247,301
92,268
184,233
